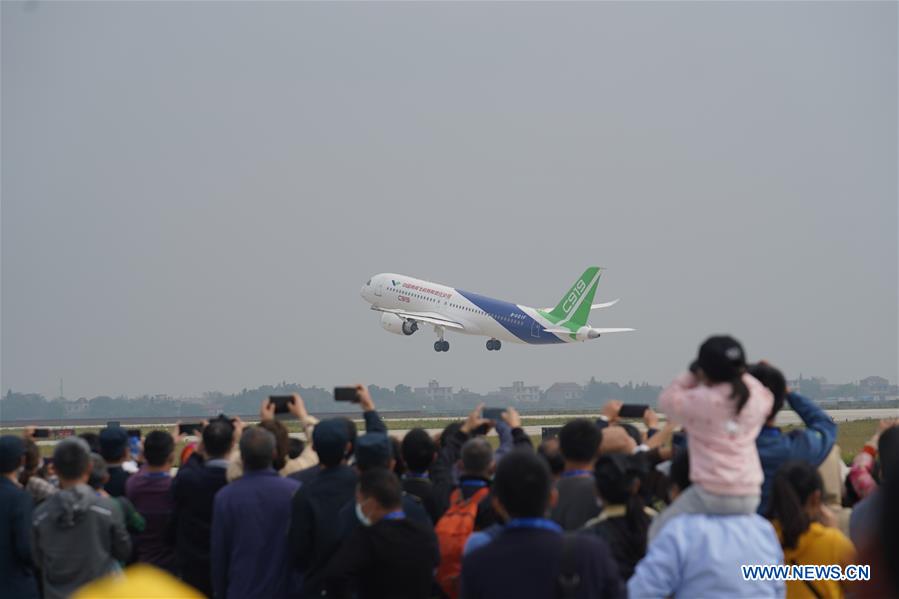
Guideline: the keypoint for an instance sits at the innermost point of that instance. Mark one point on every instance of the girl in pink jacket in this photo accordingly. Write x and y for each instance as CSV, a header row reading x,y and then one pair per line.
x,y
722,409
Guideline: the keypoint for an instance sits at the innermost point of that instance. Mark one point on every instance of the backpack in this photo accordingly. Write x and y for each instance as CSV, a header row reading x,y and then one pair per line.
x,y
452,530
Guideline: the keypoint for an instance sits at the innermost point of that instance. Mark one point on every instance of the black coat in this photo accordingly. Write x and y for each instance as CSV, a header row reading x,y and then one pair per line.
x,y
16,567
193,490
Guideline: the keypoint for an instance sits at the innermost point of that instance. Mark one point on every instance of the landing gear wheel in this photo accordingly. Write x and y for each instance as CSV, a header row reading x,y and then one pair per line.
x,y
493,344
441,345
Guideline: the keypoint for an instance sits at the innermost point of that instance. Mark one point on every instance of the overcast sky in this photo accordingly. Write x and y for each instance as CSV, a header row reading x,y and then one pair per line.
x,y
193,194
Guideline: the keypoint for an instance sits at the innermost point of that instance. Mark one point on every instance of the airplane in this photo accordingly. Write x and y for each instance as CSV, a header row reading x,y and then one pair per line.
x,y
405,303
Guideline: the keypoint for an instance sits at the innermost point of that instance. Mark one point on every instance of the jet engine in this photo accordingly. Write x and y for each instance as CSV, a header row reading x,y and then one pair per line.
x,y
398,325
584,333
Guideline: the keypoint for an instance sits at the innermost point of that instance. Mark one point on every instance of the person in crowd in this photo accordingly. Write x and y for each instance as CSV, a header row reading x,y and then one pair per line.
x,y
99,476
268,421
374,450
313,536
115,450
149,491
249,553
624,520
193,491
373,424
806,528
469,508
579,442
866,514
549,451
295,448
77,535
511,435
532,557
811,444
722,409
419,452
92,440
881,551
16,567
833,475
699,555
679,474
37,487
862,474
300,455
391,555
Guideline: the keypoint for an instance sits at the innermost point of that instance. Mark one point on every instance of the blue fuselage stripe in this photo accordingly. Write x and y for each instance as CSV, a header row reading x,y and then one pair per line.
x,y
512,318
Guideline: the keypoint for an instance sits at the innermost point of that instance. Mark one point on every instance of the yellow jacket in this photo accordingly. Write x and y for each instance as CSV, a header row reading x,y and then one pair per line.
x,y
819,545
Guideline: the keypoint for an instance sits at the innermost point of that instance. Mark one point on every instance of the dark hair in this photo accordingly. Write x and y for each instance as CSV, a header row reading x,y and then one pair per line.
x,y
449,431
71,458
889,534
522,484
579,440
93,441
353,434
632,431
279,431
158,447
888,453
396,452
618,481
775,381
418,450
722,360
257,448
680,470
295,447
218,438
553,459
32,461
383,486
477,456
794,483
99,471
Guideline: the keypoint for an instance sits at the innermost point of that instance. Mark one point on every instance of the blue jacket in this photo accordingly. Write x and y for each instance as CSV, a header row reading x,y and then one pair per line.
x,y
699,556
16,570
249,555
811,444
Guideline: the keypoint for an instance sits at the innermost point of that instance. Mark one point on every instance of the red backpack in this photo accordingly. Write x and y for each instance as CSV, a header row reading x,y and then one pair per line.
x,y
453,530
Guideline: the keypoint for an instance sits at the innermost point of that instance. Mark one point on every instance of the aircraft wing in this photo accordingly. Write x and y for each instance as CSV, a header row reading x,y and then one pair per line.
x,y
428,317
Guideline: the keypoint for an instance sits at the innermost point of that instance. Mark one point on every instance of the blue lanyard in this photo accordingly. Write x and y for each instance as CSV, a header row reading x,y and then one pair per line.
x,y
423,475
156,474
576,473
479,484
541,523
397,515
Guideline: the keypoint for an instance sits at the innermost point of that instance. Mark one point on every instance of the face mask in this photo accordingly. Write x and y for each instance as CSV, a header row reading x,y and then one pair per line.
x,y
363,519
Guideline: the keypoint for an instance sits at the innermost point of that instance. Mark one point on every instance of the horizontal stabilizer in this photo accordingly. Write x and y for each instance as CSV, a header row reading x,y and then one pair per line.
x,y
619,330
605,305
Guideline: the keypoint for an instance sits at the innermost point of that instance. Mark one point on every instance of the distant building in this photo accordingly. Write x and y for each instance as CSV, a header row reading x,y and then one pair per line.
x,y
874,385
520,393
434,392
563,392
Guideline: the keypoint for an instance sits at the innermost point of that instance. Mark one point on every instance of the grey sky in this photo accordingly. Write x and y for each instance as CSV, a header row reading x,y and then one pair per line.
x,y
193,194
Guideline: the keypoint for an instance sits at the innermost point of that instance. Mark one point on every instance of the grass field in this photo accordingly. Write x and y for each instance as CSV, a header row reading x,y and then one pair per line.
x,y
851,435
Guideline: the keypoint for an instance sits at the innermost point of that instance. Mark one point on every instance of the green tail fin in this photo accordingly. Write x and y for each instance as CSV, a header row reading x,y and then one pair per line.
x,y
574,307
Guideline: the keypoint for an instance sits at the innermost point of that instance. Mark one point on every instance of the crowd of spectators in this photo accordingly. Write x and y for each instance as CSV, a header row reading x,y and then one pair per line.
x,y
603,508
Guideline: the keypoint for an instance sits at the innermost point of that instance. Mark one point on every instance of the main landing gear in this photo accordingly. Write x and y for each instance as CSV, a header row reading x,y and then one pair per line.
x,y
441,345
494,344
